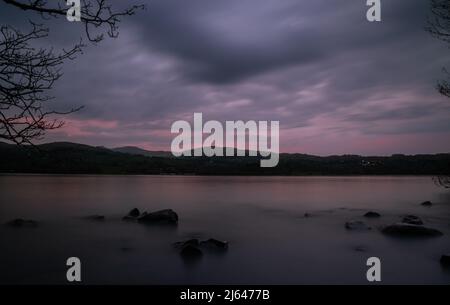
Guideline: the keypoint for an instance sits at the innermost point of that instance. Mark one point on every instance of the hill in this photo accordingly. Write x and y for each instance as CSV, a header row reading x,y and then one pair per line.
x,y
73,158
132,150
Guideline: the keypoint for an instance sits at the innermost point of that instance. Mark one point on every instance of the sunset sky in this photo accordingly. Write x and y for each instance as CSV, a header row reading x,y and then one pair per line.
x,y
337,83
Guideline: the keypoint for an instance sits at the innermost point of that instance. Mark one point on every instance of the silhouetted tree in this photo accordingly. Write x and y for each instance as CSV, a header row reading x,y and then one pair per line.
x,y
439,27
28,73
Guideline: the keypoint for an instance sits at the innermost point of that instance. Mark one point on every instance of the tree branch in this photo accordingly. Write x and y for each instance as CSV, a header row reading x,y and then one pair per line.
x,y
27,74
94,14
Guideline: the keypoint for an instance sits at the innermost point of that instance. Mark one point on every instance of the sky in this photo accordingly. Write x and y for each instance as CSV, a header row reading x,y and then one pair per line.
x,y
337,83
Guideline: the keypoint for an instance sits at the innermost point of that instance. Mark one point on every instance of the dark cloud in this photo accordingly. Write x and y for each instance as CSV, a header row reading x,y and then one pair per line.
x,y
317,66
225,41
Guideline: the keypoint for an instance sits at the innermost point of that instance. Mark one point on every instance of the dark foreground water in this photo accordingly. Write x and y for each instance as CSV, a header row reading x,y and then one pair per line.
x,y
270,240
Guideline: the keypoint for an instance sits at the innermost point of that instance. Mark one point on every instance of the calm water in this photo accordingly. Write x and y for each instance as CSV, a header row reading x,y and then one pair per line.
x,y
271,242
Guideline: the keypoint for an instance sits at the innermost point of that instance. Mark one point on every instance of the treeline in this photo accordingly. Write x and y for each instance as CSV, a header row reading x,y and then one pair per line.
x,y
71,158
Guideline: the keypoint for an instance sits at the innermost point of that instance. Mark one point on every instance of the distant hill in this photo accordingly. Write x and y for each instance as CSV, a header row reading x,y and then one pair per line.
x,y
73,158
132,150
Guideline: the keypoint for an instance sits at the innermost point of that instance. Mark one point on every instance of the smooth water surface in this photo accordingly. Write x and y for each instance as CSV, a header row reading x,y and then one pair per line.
x,y
263,219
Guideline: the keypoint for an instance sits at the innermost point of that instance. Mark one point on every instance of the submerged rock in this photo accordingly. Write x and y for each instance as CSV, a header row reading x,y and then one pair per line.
x,y
426,203
372,214
19,222
191,252
445,260
132,215
357,225
95,217
410,230
211,243
360,249
192,248
214,244
159,217
412,220
192,242
126,249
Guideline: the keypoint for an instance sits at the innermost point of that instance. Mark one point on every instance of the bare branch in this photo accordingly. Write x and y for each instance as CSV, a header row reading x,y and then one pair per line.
x,y
443,86
95,14
439,27
26,75
439,21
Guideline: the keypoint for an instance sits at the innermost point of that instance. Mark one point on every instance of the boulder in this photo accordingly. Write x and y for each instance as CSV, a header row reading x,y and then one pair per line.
x,y
426,203
191,252
410,230
193,248
132,215
372,214
356,225
445,260
160,217
19,223
412,220
214,244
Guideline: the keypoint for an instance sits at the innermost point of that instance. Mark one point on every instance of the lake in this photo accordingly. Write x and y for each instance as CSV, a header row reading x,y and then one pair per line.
x,y
263,219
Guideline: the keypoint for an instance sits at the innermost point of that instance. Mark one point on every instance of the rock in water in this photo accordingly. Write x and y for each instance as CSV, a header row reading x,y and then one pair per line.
x,y
445,260
356,225
371,214
360,249
193,242
214,244
160,217
134,213
96,217
427,203
412,220
19,223
126,249
191,252
410,230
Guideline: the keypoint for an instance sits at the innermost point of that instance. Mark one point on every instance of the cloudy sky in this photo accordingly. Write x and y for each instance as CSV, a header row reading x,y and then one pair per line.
x,y
336,82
